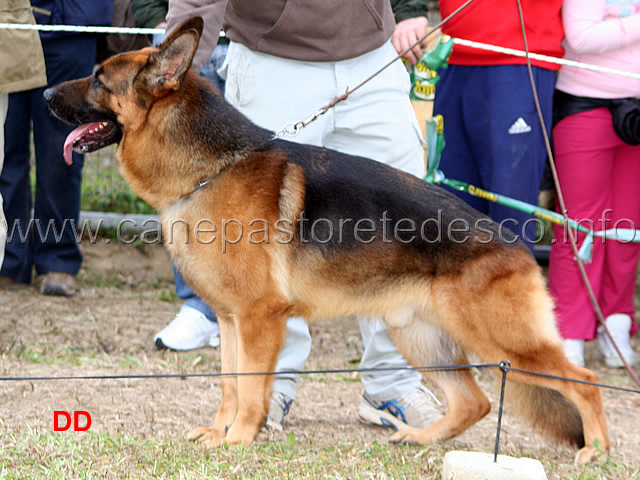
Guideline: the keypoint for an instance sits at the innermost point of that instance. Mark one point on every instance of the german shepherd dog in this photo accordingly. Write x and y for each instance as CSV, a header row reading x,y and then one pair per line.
x,y
335,241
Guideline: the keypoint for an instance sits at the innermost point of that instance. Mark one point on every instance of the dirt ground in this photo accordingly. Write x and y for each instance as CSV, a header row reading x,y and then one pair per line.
x,y
126,295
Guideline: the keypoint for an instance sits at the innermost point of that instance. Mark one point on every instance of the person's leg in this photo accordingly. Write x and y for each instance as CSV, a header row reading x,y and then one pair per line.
x,y
57,201
191,299
621,258
272,100
378,122
493,137
283,95
4,105
580,140
15,188
517,152
502,141
458,161
194,326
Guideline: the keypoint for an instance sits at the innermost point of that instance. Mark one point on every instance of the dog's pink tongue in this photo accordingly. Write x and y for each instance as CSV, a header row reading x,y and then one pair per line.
x,y
77,132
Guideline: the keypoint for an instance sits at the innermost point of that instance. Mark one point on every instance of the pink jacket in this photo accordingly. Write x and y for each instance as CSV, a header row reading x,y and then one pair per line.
x,y
604,33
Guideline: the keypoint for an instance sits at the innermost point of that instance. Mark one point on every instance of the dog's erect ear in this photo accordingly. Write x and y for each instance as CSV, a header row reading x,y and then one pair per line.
x,y
168,66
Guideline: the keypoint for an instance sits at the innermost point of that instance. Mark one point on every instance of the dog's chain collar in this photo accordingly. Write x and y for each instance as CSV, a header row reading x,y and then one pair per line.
x,y
203,182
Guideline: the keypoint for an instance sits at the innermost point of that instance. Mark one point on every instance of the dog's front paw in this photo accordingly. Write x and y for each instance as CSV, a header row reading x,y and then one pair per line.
x,y
234,440
208,437
413,436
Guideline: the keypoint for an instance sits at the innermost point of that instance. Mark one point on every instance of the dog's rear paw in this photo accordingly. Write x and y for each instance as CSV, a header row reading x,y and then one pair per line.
x,y
208,437
589,454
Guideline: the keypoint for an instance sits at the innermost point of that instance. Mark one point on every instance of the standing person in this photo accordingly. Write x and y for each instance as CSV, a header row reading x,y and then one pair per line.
x,y
19,72
494,138
196,324
49,243
285,61
599,175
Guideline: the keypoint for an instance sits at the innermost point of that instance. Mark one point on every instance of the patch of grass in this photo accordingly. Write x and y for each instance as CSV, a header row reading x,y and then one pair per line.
x,y
100,280
105,354
47,354
605,469
88,455
168,295
104,190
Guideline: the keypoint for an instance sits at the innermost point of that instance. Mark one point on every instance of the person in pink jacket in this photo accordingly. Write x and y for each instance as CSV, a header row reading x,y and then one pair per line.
x,y
599,175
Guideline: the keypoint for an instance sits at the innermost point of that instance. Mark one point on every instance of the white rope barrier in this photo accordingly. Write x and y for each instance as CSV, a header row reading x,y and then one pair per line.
x,y
81,29
545,58
459,41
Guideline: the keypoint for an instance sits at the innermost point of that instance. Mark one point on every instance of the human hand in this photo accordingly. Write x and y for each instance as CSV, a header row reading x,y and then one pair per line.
x,y
408,32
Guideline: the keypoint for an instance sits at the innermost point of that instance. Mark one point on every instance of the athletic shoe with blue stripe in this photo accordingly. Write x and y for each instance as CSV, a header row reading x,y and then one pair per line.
x,y
417,408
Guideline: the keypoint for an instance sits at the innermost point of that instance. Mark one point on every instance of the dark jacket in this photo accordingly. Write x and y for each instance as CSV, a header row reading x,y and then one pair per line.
x,y
406,9
149,13
72,12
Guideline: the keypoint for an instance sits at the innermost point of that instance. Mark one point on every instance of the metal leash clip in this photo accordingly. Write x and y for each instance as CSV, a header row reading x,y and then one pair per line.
x,y
292,129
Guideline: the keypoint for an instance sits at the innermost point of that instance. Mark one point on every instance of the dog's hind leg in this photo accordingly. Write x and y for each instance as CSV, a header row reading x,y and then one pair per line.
x,y
214,435
502,311
569,411
424,345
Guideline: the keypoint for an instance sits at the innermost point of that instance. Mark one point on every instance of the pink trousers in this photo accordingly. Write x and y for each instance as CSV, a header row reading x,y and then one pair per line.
x,y
600,179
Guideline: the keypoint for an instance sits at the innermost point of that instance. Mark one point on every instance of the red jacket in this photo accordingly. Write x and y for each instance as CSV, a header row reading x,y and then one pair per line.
x,y
497,22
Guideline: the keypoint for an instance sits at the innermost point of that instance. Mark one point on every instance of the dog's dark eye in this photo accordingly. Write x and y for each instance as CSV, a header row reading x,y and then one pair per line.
x,y
97,83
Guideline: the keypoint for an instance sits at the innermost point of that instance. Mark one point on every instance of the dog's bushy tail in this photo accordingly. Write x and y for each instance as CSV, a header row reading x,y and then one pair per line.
x,y
548,411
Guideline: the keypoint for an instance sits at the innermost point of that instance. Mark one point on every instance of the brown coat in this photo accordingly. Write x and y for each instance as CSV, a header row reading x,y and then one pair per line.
x,y
21,54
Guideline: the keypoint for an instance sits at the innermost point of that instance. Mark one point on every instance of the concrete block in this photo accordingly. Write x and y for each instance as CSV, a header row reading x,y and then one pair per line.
x,y
459,465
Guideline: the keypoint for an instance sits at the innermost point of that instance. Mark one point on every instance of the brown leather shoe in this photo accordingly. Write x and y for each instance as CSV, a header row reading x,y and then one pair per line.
x,y
58,283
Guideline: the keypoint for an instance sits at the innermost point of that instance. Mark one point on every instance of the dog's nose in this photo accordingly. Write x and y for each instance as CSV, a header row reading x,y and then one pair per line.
x,y
48,94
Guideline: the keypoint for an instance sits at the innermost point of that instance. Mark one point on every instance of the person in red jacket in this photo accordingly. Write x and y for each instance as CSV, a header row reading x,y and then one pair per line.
x,y
493,136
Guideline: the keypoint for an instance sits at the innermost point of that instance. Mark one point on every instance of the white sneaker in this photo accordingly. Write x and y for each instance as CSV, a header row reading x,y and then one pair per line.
x,y
619,325
189,330
417,408
278,410
574,350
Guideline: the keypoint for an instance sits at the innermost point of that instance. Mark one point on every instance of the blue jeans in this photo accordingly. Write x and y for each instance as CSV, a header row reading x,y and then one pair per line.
x,y
210,71
56,205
